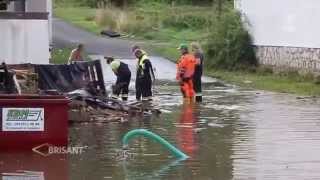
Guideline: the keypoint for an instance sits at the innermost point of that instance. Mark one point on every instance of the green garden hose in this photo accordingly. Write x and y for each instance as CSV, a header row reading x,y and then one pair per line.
x,y
150,135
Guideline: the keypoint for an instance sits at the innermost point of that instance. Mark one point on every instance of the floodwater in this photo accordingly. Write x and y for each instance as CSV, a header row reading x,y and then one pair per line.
x,y
234,134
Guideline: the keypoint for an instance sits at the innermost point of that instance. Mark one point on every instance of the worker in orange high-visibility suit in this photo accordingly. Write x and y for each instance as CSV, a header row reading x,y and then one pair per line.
x,y
185,71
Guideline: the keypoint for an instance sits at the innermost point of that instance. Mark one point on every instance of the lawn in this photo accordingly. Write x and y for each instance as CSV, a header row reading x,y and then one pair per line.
x,y
273,82
80,16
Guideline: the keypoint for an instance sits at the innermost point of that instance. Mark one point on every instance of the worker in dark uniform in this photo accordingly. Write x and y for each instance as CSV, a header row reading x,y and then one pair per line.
x,y
197,84
136,47
123,73
145,76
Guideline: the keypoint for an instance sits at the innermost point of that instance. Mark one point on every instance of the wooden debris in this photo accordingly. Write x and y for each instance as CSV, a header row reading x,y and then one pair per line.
x,y
28,81
105,110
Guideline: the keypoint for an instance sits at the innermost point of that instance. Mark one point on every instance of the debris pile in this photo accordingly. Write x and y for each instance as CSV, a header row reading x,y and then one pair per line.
x,y
104,110
7,80
27,80
81,82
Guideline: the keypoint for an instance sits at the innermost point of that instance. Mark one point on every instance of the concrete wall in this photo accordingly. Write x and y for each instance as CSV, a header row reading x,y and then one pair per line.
x,y
290,57
284,31
41,6
38,6
32,5
24,41
10,6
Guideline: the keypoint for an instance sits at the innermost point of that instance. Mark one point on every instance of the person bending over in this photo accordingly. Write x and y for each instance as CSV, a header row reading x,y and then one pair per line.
x,y
123,73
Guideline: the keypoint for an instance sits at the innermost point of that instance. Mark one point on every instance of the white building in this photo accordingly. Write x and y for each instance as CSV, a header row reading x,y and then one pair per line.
x,y
25,31
285,32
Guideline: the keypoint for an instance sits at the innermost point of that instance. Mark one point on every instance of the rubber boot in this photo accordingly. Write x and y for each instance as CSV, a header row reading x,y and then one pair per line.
x,y
188,100
115,97
199,99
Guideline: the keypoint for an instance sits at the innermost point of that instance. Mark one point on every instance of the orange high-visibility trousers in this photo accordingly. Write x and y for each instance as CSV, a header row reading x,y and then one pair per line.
x,y
187,88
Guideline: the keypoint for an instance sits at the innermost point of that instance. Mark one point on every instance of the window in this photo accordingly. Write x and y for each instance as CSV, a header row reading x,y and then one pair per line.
x,y
3,5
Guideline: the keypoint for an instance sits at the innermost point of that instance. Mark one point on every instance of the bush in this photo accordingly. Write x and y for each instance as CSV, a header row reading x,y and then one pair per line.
x,y
60,56
229,44
124,21
106,18
153,16
186,21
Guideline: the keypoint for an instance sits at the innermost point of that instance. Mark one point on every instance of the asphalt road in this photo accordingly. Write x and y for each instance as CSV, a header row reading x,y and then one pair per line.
x,y
67,35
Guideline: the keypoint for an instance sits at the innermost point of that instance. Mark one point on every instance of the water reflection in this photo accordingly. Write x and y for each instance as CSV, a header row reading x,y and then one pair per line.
x,y
31,166
187,124
234,134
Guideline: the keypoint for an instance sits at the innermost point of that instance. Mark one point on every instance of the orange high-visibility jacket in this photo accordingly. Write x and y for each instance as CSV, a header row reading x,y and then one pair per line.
x,y
186,66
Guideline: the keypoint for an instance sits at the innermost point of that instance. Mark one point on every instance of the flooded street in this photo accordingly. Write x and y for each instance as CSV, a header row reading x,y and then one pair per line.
x,y
234,134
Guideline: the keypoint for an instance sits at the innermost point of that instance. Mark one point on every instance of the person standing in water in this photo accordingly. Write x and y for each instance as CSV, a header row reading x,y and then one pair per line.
x,y
198,71
145,76
185,72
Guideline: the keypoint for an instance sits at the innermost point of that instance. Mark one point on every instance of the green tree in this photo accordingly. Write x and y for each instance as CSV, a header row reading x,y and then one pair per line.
x,y
229,45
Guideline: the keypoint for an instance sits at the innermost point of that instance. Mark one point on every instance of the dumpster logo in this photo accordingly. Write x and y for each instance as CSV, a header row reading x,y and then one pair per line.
x,y
22,119
23,115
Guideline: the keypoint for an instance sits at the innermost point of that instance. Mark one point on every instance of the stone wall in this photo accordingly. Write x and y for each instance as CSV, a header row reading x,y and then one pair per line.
x,y
290,57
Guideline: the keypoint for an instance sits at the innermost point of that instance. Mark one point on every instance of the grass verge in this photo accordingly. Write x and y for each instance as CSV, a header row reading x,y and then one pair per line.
x,y
60,56
80,16
272,82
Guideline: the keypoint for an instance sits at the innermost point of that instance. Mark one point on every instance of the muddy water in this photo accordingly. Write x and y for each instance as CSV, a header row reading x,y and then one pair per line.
x,y
234,134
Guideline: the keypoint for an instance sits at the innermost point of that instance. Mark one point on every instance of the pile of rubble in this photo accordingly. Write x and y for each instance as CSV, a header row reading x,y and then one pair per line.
x,y
103,109
17,81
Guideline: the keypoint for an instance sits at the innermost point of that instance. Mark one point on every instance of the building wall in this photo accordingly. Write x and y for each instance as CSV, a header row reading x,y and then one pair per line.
x,y
36,5
24,41
10,6
289,57
284,31
25,37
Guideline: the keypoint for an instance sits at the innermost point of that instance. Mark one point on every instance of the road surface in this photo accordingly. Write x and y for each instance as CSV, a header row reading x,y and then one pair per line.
x,y
67,35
